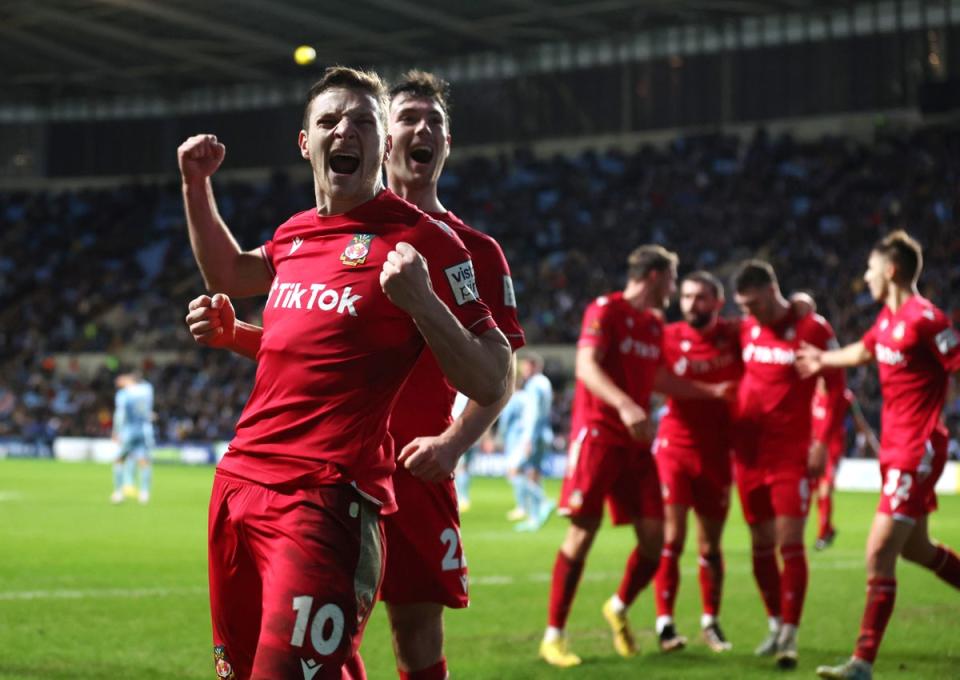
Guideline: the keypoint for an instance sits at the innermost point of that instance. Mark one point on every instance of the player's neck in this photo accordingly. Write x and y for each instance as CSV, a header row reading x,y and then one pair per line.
x,y
780,310
424,197
897,296
337,205
640,296
707,327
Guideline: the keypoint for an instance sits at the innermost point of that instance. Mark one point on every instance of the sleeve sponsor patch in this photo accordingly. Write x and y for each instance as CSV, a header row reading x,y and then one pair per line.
x,y
463,282
946,340
509,296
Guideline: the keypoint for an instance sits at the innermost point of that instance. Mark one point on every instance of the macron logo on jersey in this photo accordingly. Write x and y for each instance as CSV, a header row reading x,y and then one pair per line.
x,y
890,357
297,242
313,296
759,354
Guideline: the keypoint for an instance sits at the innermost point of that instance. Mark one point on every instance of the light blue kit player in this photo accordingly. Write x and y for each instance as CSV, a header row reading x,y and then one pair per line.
x,y
525,424
133,430
461,477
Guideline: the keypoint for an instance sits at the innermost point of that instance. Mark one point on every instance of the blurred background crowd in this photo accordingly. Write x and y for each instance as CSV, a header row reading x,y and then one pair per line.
x,y
110,270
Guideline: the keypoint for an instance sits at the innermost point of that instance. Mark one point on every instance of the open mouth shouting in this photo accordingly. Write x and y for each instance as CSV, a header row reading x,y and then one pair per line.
x,y
421,154
344,162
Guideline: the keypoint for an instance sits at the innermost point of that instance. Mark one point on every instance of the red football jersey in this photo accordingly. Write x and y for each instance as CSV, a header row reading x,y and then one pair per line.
x,y
916,349
630,344
772,399
834,439
711,356
426,399
335,350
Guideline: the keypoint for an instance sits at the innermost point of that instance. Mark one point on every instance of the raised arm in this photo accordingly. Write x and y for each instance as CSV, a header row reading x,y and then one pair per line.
x,y
476,365
213,323
434,458
224,266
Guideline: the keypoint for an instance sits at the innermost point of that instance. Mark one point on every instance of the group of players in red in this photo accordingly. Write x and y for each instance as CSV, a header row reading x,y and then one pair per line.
x,y
762,437
373,314
381,304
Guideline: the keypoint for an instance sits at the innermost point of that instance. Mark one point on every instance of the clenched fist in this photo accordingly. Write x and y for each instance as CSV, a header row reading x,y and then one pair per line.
x,y
212,321
405,278
199,157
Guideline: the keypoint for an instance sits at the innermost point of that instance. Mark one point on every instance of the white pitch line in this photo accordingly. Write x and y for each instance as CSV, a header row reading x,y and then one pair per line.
x,y
487,580
97,593
544,577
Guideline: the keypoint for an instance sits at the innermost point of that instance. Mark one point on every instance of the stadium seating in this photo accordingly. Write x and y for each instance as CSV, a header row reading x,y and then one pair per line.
x,y
110,270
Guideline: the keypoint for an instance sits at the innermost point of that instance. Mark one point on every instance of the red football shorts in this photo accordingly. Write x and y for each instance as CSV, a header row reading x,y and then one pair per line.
x,y
696,479
769,491
625,476
425,560
908,493
293,576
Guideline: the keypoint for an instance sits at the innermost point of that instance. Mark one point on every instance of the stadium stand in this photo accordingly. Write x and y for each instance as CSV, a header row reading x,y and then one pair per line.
x,y
110,270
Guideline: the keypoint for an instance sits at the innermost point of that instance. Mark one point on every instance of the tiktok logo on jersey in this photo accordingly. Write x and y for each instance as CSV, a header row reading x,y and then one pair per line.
x,y
310,296
642,349
759,354
888,356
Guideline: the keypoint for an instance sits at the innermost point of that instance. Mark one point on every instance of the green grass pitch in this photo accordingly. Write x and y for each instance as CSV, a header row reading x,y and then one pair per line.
x,y
89,590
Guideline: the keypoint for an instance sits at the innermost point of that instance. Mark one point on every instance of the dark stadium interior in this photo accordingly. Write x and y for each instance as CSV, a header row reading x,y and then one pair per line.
x,y
801,132
97,95
71,48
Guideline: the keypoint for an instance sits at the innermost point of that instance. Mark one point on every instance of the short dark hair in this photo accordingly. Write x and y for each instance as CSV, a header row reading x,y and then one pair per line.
x,y
424,85
368,82
753,274
707,279
904,252
650,258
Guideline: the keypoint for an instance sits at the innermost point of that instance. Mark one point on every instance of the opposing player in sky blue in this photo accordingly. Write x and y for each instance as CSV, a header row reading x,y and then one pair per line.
x,y
527,433
133,430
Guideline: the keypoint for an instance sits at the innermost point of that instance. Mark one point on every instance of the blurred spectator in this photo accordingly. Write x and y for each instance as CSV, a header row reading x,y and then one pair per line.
x,y
111,270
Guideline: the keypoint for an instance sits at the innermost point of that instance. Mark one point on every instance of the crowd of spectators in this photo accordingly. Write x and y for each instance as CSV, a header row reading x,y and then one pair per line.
x,y
110,271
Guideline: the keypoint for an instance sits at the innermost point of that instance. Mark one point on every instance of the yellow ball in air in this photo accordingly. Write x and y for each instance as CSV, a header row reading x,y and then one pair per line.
x,y
304,55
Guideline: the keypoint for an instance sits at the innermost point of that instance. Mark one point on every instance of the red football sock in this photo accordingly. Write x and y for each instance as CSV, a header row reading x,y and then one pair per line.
x,y
795,577
767,574
667,579
825,514
946,565
639,572
437,671
881,595
566,578
711,582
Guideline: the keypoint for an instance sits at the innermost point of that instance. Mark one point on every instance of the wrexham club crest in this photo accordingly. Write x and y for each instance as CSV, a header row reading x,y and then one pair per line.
x,y
357,250
222,665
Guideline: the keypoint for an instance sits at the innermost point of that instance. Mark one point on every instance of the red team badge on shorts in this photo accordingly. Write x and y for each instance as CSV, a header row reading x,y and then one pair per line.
x,y
221,664
357,250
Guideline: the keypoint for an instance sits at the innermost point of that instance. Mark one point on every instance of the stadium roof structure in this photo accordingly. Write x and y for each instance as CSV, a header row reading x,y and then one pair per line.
x,y
55,49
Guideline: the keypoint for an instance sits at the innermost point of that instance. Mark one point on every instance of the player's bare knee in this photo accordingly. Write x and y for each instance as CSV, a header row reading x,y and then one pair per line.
x,y
417,631
579,538
649,537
